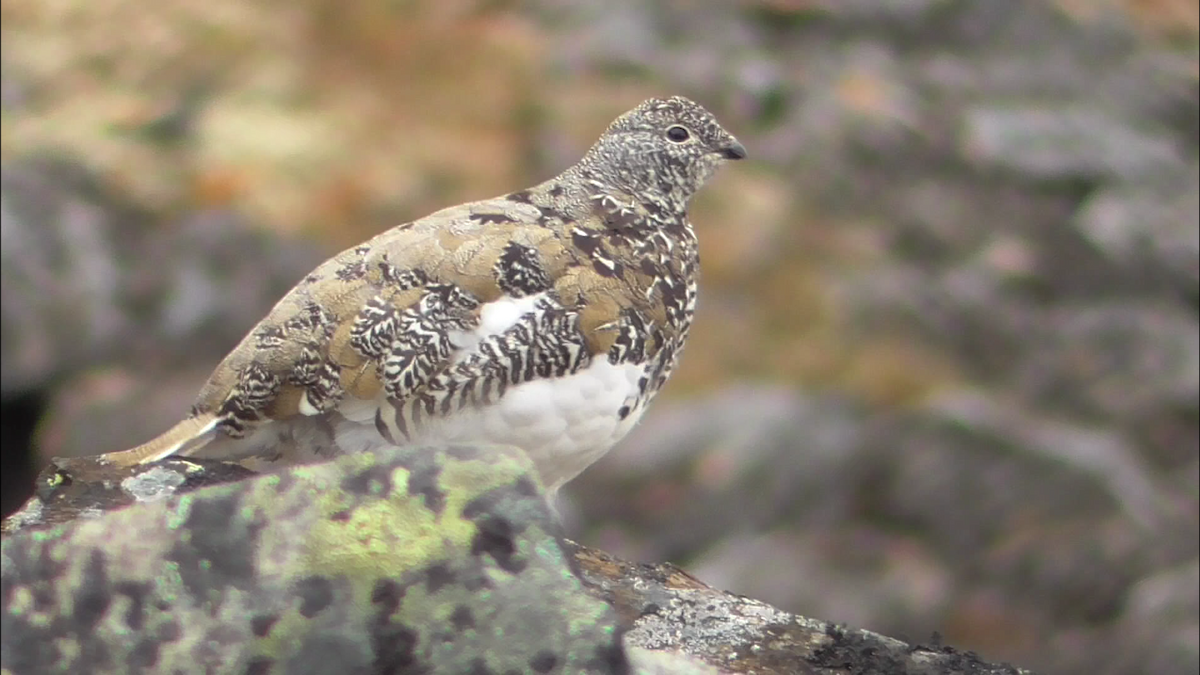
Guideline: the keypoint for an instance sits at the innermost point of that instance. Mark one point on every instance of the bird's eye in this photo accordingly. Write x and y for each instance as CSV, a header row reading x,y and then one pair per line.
x,y
678,134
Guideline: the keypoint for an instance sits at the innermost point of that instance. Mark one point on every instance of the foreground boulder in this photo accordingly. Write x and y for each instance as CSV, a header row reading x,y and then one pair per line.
x,y
412,560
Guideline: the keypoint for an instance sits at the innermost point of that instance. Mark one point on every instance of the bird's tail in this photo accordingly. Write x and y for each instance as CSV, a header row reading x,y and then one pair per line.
x,y
181,439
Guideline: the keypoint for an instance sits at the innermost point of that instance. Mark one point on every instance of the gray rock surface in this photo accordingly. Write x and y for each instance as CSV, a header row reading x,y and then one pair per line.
x,y
416,561
431,560
90,278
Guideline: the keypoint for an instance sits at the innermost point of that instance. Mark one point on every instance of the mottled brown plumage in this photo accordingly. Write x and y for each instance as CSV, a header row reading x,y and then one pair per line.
x,y
420,333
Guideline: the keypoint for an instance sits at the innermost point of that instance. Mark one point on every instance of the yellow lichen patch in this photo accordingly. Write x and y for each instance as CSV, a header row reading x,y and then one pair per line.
x,y
20,601
366,537
465,480
385,533
68,649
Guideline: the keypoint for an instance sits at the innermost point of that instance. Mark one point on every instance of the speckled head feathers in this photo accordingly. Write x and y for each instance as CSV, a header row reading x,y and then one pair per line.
x,y
664,150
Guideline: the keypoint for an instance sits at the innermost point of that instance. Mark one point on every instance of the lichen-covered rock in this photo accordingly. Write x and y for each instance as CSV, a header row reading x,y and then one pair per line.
x,y
69,489
419,560
667,610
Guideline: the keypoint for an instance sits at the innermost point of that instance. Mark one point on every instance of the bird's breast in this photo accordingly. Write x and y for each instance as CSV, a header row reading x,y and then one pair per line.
x,y
562,423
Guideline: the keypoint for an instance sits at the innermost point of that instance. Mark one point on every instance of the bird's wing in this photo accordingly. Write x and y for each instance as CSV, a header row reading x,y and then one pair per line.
x,y
378,316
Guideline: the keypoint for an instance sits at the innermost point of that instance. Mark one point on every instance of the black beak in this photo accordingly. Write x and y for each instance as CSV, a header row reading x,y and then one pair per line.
x,y
734,150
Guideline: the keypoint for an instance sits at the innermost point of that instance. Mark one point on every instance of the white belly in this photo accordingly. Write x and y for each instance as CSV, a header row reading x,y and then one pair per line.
x,y
563,424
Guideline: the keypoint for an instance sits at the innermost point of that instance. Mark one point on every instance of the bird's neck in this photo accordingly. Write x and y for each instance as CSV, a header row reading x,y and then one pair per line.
x,y
588,190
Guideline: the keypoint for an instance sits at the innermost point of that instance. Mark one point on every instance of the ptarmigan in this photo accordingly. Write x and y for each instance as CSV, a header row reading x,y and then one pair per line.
x,y
546,319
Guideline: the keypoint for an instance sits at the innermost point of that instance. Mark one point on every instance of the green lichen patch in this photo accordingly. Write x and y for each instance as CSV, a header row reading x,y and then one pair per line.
x,y
414,560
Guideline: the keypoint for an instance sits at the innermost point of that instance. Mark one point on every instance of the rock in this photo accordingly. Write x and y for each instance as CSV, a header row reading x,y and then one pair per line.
x,y
1169,598
73,489
435,559
1153,228
968,514
412,560
1163,634
722,465
1065,144
1115,361
859,574
90,278
664,607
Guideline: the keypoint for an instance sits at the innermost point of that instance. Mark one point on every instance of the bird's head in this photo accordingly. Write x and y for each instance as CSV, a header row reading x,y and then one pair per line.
x,y
664,151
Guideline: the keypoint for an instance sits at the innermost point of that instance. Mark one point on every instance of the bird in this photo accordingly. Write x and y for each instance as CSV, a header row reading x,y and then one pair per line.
x,y
546,319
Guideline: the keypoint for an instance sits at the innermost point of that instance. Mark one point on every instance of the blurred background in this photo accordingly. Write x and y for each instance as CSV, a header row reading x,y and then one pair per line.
x,y
945,368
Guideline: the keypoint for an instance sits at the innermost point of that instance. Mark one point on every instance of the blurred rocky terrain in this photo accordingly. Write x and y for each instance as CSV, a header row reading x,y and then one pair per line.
x,y
946,365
